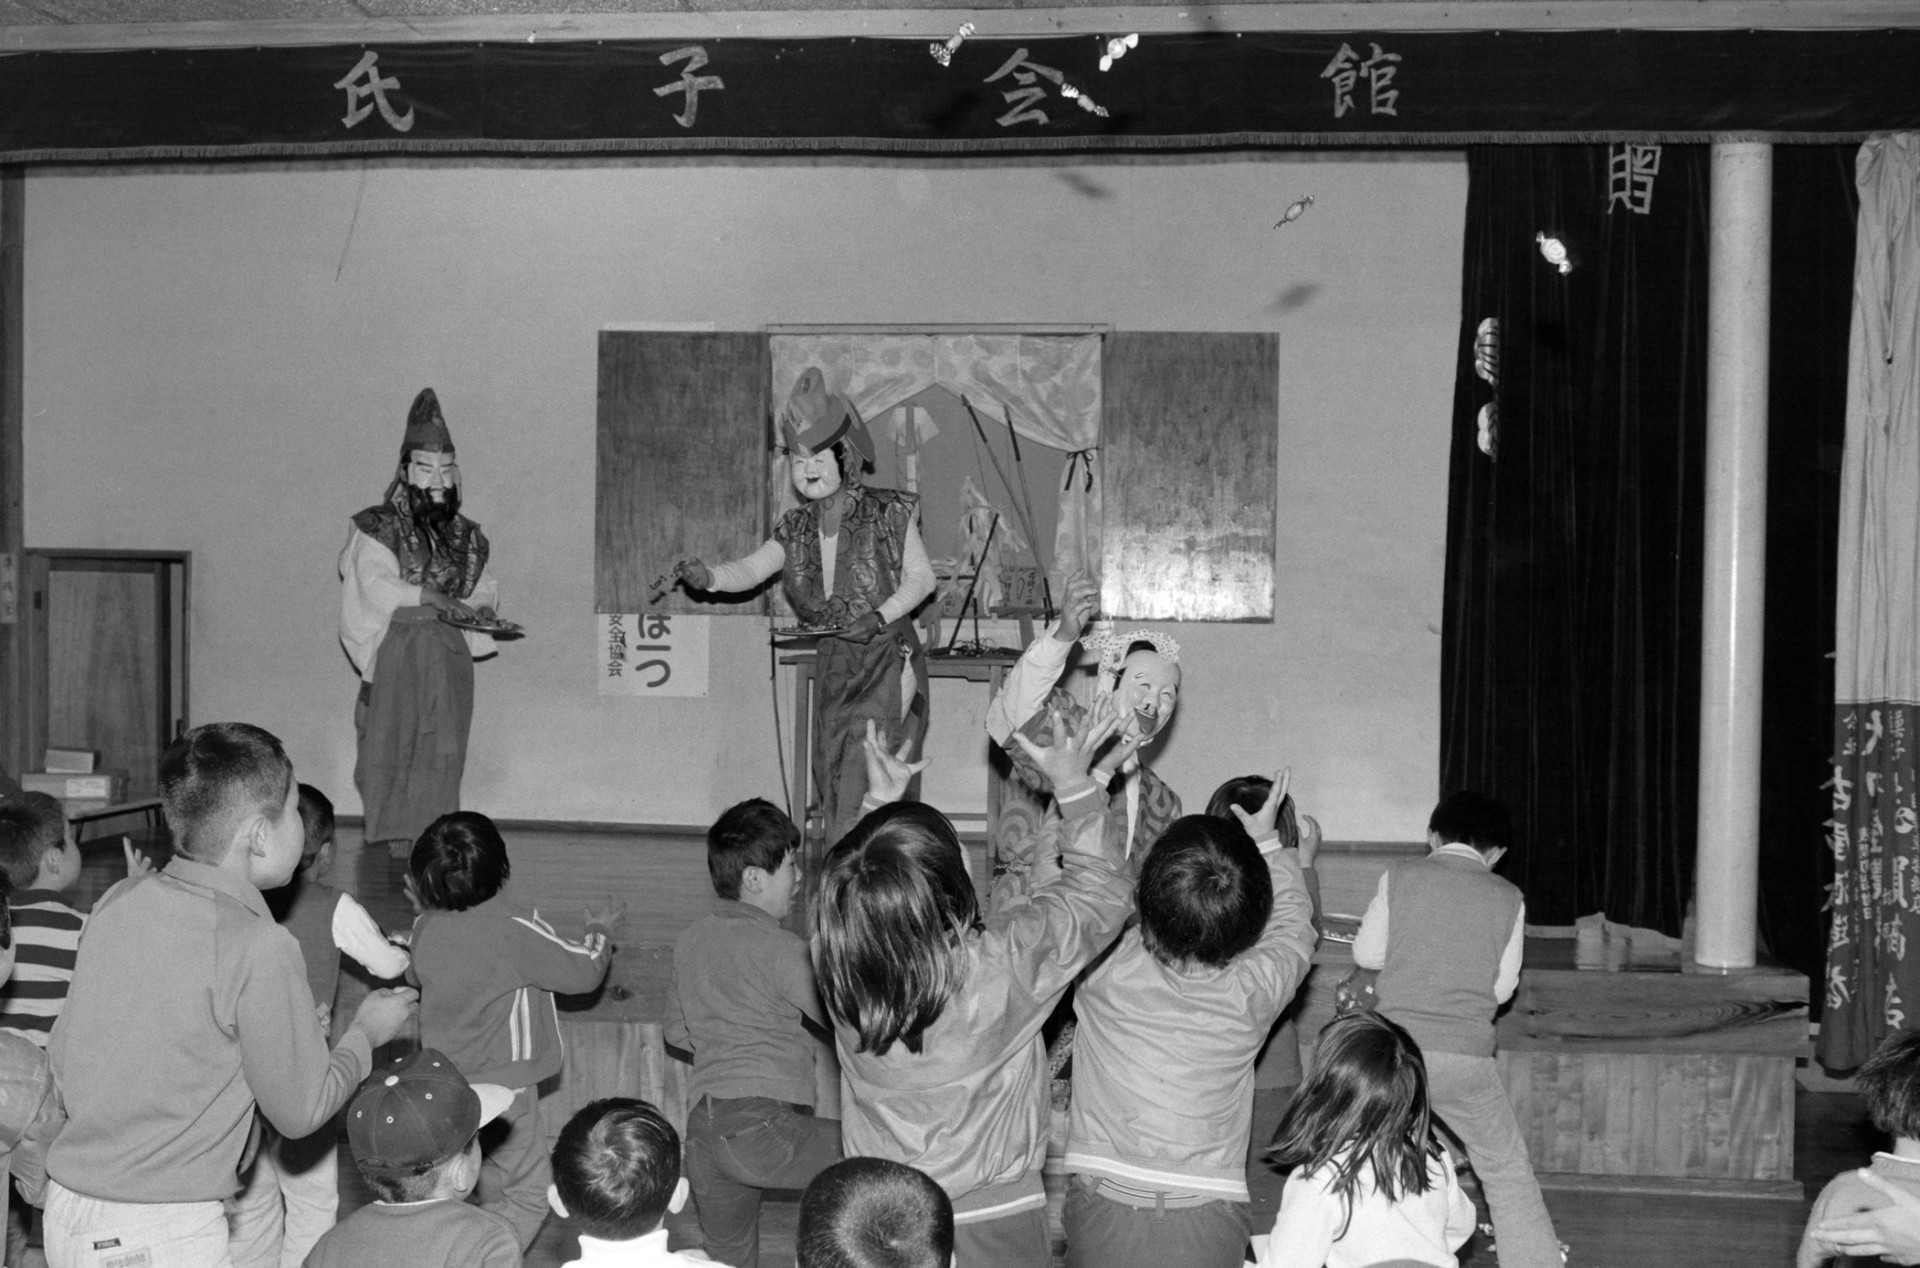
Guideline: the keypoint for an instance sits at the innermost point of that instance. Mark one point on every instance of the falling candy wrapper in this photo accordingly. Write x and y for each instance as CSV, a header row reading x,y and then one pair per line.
x,y
1086,103
1555,253
943,53
1294,211
1117,48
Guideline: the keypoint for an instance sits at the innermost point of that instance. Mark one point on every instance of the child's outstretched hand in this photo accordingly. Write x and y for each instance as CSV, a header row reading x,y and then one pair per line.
x,y
1309,840
1261,822
889,772
138,864
612,917
1070,758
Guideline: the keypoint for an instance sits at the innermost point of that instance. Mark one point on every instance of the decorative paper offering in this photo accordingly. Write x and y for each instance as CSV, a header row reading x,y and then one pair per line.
x,y
651,654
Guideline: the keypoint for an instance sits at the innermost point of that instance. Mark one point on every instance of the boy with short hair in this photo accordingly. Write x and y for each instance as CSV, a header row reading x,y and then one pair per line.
x,y
488,968
1889,1082
41,862
1169,1025
291,1195
742,994
874,1213
1446,935
189,1006
414,1129
616,1175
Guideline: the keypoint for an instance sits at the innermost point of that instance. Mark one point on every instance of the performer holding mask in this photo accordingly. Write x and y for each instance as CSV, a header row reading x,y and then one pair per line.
x,y
851,560
407,560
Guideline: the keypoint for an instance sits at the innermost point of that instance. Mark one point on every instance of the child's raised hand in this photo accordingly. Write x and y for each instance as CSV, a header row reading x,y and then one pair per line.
x,y
138,864
1309,840
1069,759
611,917
889,772
1261,822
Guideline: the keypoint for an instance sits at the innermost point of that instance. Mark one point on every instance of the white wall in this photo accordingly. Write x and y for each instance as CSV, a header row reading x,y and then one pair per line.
x,y
219,360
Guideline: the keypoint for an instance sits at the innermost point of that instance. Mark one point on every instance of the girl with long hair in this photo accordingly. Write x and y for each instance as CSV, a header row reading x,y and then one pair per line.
x,y
937,1005
1372,1183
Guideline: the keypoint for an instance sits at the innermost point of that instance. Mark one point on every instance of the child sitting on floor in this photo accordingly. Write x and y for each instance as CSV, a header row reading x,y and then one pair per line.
x,y
414,1128
1372,1184
616,1175
30,1113
41,862
741,998
291,1194
488,968
937,1012
871,1213
1169,1024
1889,1082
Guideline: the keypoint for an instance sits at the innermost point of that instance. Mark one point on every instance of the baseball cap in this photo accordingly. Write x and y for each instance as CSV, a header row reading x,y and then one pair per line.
x,y
416,1111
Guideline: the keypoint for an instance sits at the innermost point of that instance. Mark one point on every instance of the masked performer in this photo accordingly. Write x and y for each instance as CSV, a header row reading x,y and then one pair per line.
x,y
407,561
1140,670
851,560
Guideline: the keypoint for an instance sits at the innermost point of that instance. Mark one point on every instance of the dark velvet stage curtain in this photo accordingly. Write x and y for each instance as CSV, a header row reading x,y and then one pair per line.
x,y
1815,207
1570,654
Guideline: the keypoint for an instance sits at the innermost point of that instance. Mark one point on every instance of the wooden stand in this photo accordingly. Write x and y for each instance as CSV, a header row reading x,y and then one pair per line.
x,y
1645,1076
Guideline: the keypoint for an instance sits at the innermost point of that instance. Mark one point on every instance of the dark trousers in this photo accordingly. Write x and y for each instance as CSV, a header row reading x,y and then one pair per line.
x,y
740,1146
1104,1233
412,722
1012,1241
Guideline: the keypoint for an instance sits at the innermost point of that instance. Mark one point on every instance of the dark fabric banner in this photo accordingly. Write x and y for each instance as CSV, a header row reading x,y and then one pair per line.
x,y
1182,91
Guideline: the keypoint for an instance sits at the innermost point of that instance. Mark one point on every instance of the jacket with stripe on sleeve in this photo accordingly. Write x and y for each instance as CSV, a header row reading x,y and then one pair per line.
x,y
487,978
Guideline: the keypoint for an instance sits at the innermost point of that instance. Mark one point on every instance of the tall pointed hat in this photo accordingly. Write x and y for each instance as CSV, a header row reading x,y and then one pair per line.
x,y
426,426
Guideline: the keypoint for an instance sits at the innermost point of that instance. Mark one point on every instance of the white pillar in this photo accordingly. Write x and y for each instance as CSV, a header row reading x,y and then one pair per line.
x,y
1739,282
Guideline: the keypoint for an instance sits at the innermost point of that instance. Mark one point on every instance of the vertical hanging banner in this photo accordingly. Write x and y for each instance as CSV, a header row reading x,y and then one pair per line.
x,y
651,654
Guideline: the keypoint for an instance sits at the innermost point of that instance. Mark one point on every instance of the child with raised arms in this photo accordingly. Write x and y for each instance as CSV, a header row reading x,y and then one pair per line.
x,y
937,1008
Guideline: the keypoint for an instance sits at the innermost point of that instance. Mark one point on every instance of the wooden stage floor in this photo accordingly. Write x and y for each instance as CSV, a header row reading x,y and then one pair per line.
x,y
662,879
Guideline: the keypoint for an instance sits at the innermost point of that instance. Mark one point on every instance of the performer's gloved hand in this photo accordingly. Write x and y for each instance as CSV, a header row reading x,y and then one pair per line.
x,y
864,629
1077,608
431,598
696,574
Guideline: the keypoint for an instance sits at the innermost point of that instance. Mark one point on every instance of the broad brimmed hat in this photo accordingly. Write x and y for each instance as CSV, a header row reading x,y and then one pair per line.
x,y
426,426
417,1111
814,418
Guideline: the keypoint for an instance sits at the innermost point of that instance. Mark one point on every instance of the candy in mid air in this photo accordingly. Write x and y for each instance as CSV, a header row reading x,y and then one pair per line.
x,y
1117,48
1555,253
943,53
1295,210
1086,103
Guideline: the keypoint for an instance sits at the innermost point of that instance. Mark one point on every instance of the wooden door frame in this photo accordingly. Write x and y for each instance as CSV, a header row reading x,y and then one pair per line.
x,y
37,565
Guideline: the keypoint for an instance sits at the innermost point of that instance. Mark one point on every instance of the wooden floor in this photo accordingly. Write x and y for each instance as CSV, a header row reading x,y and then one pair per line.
x,y
662,879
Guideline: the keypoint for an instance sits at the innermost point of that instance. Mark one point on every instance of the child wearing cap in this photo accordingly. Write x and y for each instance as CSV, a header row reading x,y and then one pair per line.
x,y
413,1128
616,1175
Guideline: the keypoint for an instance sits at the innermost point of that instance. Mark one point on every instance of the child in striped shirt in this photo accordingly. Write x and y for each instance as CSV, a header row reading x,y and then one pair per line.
x,y
40,859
